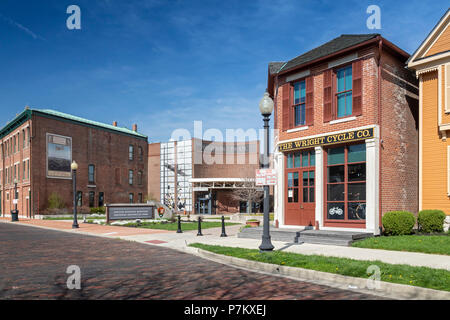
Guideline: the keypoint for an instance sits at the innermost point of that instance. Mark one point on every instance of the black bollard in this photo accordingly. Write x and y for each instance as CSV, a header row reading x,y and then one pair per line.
x,y
223,227
179,225
199,226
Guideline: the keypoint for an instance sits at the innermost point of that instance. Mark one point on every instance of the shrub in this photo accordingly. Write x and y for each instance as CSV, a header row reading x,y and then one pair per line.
x,y
431,221
55,201
398,222
101,210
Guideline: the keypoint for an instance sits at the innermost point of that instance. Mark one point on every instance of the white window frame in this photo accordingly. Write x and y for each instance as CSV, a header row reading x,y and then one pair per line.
x,y
446,87
448,170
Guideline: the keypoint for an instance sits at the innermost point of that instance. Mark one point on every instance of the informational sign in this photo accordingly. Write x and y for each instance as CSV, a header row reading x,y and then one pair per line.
x,y
130,212
266,177
15,201
351,136
59,156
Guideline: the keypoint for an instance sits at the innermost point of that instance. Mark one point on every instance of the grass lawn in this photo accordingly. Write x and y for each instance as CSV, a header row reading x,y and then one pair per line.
x,y
403,274
185,226
412,243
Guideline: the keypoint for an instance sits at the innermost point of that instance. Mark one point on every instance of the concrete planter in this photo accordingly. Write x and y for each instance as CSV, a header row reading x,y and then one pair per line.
x,y
252,223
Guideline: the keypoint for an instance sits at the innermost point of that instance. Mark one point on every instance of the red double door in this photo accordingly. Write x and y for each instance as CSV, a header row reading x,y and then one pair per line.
x,y
300,197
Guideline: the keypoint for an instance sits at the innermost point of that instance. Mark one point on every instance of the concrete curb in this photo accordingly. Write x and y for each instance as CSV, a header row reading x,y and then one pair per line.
x,y
387,289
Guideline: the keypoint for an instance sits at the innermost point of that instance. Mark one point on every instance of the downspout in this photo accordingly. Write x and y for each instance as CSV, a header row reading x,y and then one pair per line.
x,y
380,167
277,222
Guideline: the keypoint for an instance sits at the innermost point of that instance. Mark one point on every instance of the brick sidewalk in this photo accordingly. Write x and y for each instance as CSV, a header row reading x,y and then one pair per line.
x,y
90,228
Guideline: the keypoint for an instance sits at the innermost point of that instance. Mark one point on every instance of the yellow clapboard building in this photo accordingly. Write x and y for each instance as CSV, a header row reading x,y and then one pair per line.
x,y
431,62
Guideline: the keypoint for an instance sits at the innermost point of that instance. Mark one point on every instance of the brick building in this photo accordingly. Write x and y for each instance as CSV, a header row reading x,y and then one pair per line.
x,y
38,147
204,185
347,146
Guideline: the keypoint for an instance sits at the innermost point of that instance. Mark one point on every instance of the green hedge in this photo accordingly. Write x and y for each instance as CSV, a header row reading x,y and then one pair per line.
x,y
431,221
398,223
101,210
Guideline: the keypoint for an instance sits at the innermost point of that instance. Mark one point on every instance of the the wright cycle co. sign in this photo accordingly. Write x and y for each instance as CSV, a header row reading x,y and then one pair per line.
x,y
350,136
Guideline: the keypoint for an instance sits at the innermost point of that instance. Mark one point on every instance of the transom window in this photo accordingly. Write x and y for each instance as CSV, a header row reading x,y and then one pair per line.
x,y
346,183
344,92
300,103
301,159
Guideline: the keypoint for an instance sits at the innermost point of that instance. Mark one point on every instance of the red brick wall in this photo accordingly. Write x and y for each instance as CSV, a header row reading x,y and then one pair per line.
x,y
106,150
8,161
399,134
225,202
369,111
399,127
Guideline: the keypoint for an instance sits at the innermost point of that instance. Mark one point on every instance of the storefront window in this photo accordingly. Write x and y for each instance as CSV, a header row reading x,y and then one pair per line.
x,y
346,183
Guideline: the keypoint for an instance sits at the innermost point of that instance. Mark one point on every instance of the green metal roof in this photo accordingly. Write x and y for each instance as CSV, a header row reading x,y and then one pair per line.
x,y
26,114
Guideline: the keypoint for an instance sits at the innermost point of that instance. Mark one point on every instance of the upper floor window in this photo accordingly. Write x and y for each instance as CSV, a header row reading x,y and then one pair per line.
x,y
141,153
130,152
130,177
139,177
344,91
91,173
300,103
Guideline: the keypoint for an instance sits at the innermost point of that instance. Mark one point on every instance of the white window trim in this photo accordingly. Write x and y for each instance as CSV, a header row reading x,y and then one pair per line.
x,y
298,129
346,119
446,88
448,170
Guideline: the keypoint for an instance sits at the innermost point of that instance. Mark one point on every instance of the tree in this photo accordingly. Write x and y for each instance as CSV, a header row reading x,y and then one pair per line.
x,y
248,192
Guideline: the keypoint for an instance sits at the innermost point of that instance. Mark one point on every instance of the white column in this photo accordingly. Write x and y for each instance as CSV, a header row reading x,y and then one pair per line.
x,y
319,186
279,189
372,185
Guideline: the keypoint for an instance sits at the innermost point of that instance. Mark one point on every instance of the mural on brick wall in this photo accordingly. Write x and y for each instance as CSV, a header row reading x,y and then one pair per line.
x,y
59,156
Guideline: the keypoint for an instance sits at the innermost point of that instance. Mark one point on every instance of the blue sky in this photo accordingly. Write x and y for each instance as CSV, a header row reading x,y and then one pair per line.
x,y
163,64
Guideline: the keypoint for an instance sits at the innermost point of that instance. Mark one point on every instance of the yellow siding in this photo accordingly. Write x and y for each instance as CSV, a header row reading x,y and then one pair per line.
x,y
434,150
442,44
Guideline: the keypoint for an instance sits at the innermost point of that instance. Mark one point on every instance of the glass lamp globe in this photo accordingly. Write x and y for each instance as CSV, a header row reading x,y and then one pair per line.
x,y
74,166
266,105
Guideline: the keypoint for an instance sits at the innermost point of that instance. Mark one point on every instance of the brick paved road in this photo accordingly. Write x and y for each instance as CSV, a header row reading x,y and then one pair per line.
x,y
33,263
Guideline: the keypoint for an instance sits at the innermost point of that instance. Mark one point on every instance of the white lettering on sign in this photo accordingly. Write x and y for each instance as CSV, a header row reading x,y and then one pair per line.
x,y
266,177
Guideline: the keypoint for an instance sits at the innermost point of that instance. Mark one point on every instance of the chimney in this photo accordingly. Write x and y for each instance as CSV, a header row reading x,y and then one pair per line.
x,y
135,127
115,123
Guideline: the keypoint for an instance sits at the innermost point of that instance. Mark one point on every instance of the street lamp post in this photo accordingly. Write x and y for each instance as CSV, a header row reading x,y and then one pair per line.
x,y
15,212
266,108
74,167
